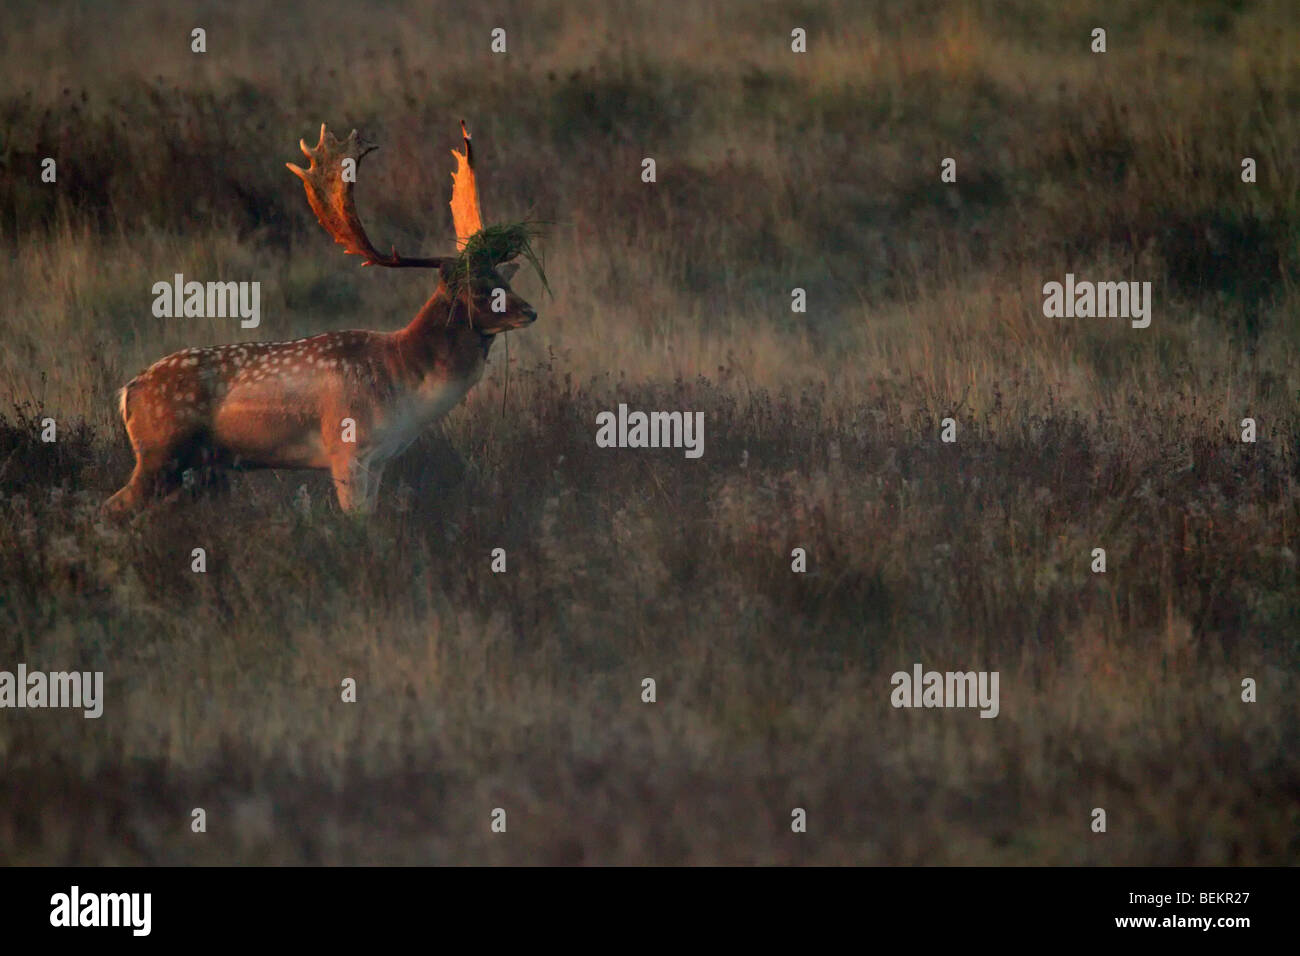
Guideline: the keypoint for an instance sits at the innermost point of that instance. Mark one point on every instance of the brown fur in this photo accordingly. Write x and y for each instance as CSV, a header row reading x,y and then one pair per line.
x,y
286,404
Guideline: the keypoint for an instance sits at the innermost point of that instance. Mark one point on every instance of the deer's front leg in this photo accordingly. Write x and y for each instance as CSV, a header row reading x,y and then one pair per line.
x,y
356,481
368,475
345,469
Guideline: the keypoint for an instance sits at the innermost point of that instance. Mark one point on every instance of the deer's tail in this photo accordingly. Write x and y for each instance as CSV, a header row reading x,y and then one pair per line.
x,y
123,394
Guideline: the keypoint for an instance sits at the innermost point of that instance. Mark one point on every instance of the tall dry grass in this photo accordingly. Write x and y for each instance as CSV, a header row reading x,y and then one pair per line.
x,y
522,690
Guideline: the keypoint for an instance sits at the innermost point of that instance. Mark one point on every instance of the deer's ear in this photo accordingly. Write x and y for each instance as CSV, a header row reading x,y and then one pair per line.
x,y
508,270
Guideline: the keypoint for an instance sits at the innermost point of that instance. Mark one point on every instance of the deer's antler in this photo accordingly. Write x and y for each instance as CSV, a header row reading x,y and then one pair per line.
x,y
465,213
330,196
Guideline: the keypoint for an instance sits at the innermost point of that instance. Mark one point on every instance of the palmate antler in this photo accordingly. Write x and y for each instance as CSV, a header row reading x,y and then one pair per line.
x,y
465,212
330,196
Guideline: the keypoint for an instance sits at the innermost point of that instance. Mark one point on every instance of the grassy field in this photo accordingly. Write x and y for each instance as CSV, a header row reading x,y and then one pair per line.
x,y
776,170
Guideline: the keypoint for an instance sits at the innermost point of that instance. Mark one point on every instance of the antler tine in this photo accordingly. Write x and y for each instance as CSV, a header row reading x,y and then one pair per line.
x,y
465,213
329,193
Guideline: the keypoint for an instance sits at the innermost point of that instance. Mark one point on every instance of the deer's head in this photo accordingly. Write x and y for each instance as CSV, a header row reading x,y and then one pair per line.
x,y
484,297
476,281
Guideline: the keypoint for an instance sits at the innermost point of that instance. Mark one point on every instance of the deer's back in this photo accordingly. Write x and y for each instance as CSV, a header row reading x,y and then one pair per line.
x,y
267,403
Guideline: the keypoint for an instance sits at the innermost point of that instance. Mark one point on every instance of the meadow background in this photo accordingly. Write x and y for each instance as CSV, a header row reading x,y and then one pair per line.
x,y
775,170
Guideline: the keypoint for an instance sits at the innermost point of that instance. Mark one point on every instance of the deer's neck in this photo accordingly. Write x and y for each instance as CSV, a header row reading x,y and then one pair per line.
x,y
440,343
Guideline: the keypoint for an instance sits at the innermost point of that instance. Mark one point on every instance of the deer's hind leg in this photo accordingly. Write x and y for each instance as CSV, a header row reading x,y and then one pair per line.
x,y
204,470
157,473
160,453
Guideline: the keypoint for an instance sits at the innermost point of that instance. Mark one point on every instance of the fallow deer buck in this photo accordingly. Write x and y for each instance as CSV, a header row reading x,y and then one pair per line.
x,y
288,404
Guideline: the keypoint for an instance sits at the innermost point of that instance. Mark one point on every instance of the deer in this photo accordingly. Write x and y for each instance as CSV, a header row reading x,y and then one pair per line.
x,y
348,401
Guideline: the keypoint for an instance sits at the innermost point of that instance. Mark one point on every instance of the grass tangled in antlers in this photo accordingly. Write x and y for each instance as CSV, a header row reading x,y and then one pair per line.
x,y
494,245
